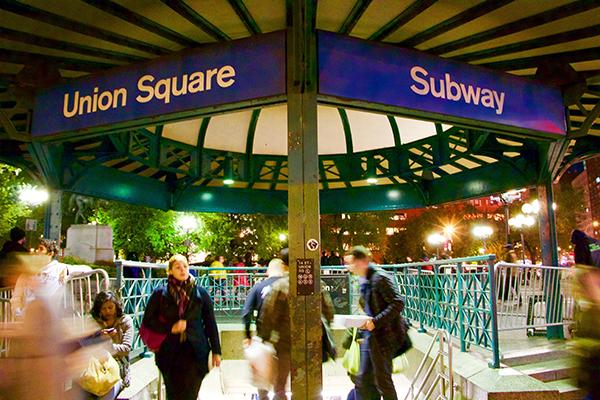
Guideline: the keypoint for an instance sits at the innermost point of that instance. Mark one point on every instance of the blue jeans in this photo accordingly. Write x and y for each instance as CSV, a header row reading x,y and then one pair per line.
x,y
374,378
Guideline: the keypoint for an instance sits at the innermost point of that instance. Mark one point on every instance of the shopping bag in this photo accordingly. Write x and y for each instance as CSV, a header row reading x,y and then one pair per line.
x,y
151,338
400,364
100,375
351,359
261,357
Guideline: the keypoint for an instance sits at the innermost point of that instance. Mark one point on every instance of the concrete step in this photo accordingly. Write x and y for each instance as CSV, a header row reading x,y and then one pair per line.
x,y
532,356
567,389
550,370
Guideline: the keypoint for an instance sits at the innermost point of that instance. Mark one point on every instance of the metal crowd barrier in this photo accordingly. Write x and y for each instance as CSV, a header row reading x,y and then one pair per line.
x,y
470,298
533,297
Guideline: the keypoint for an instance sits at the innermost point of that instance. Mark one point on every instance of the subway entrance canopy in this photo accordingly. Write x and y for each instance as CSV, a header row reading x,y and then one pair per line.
x,y
420,103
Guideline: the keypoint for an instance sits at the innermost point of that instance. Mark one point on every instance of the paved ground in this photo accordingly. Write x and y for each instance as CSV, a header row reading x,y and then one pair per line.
x,y
232,382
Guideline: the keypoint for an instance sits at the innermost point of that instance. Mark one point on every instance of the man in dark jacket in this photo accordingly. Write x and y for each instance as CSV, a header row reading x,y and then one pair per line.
x,y
384,333
16,244
259,292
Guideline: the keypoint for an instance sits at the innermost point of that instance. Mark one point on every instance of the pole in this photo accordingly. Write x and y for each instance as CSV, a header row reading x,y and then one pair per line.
x,y
303,199
53,220
549,244
506,218
523,246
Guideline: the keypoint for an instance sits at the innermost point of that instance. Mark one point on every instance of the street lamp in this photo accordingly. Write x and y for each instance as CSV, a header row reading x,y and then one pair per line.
x,y
33,196
187,224
521,222
483,233
436,239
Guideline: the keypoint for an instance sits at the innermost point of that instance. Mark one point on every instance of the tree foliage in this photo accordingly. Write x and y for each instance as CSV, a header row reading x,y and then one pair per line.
x,y
13,211
143,231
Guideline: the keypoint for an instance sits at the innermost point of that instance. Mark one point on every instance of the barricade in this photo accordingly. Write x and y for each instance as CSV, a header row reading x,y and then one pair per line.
x,y
533,297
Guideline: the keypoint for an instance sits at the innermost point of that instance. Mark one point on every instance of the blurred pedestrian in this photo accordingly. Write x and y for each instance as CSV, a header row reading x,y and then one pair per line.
x,y
16,244
258,293
274,327
35,368
48,283
384,335
183,311
107,311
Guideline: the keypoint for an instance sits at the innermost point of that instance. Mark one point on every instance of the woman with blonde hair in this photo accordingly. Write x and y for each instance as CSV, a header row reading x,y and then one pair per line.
x,y
183,312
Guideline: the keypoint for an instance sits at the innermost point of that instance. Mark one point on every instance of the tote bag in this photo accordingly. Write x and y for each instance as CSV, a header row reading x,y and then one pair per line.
x,y
351,360
100,375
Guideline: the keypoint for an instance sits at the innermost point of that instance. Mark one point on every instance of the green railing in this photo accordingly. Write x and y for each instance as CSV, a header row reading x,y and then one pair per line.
x,y
455,295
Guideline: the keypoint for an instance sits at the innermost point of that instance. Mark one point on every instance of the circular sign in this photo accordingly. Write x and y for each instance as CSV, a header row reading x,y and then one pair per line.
x,y
312,244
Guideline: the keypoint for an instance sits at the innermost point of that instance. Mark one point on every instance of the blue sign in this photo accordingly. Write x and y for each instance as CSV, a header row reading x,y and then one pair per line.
x,y
355,69
218,74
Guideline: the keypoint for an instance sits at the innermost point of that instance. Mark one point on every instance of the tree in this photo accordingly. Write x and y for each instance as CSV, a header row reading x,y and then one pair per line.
x,y
13,211
232,235
141,230
340,231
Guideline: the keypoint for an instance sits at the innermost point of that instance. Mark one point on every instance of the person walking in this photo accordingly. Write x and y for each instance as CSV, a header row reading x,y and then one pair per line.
x,y
16,244
183,311
274,327
384,334
258,293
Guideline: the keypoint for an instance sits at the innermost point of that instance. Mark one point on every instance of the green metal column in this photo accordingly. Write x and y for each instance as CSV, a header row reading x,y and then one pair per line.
x,y
549,246
53,220
303,191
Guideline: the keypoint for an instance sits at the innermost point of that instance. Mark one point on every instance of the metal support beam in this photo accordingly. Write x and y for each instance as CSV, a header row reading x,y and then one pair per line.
x,y
303,201
53,220
549,246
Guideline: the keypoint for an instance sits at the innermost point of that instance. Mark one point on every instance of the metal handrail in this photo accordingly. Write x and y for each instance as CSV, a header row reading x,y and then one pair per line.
x,y
444,376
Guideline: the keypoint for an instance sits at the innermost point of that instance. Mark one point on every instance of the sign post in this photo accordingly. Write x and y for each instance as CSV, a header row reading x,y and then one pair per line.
x,y
303,203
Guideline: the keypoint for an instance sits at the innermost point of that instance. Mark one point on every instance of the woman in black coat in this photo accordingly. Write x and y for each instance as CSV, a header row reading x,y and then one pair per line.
x,y
184,311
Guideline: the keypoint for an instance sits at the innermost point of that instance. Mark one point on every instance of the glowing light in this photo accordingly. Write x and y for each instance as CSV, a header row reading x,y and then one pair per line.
x,y
33,196
449,230
521,221
187,223
481,250
394,194
372,181
435,239
228,182
282,237
206,196
482,231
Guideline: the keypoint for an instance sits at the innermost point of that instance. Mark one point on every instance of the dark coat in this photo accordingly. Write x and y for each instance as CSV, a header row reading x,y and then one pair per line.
x,y
386,306
202,332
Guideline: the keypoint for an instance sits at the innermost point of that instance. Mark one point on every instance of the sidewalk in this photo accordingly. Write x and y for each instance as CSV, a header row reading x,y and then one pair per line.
x,y
232,382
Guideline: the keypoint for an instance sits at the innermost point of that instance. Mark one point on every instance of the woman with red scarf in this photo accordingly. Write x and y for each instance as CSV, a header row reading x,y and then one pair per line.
x,y
184,312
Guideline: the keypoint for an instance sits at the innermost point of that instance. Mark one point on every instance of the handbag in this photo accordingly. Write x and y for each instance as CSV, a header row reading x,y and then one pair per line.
x,y
152,339
329,351
351,359
100,376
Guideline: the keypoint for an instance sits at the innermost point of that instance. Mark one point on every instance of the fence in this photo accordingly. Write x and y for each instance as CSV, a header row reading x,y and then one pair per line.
x,y
533,297
463,296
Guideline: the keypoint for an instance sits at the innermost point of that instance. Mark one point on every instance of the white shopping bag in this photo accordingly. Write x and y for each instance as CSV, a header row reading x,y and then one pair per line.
x,y
261,356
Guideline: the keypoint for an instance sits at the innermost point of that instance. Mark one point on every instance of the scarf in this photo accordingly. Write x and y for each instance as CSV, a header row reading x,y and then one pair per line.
x,y
181,292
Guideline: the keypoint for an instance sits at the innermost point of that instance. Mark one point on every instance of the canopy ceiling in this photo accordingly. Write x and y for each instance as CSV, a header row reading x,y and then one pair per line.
x,y
183,165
